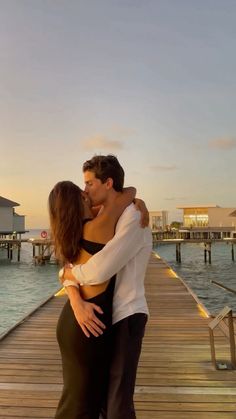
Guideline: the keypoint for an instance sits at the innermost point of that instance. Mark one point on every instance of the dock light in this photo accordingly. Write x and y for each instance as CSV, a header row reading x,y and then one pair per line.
x,y
203,312
60,293
174,274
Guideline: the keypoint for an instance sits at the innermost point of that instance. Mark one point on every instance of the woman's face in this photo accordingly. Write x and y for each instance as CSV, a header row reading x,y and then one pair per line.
x,y
87,204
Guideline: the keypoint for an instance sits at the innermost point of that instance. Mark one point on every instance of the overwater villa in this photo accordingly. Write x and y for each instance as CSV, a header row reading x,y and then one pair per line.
x,y
11,223
208,222
158,220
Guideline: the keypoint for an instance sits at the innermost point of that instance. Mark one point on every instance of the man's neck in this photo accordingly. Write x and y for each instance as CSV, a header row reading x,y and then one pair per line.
x,y
110,197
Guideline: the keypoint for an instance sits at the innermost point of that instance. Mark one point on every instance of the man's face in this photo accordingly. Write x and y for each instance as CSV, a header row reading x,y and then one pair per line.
x,y
96,190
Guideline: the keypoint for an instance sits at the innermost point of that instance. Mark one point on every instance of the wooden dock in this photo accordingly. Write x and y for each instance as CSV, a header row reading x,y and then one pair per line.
x,y
175,379
206,242
43,249
10,245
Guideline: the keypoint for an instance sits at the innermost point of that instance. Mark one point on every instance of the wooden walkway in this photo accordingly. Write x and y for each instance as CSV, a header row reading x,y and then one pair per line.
x,y
175,377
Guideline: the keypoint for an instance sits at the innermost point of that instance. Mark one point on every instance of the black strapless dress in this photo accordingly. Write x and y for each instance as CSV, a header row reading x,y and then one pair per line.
x,y
85,361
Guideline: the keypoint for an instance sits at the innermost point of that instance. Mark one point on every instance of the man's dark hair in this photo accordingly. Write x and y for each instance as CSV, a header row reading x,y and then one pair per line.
x,y
105,167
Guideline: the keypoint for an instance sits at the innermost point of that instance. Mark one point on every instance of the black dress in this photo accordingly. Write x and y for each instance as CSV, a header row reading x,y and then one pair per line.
x,y
85,361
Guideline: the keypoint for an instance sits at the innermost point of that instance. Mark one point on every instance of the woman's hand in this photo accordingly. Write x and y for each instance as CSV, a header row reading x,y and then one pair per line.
x,y
141,206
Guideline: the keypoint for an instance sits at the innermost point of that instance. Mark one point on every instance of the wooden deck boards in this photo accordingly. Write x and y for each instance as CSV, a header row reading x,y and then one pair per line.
x,y
175,376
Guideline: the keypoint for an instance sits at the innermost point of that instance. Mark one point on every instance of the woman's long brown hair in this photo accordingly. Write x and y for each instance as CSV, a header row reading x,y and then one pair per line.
x,y
66,212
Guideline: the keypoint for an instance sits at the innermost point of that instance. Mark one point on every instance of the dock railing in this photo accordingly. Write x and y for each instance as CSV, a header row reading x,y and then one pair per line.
x,y
228,329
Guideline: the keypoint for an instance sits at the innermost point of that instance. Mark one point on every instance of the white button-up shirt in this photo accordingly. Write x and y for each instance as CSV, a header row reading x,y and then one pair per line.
x,y
126,255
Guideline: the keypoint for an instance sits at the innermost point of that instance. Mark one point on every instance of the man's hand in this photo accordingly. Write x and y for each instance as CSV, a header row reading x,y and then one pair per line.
x,y
141,206
85,313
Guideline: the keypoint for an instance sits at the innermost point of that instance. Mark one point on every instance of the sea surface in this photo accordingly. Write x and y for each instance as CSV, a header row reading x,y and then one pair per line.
x,y
198,274
23,285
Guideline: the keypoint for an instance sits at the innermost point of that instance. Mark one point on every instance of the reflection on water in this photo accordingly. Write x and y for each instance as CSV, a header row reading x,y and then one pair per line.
x,y
199,275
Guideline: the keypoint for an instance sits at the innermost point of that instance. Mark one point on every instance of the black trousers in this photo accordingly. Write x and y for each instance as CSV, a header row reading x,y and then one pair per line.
x,y
127,336
85,361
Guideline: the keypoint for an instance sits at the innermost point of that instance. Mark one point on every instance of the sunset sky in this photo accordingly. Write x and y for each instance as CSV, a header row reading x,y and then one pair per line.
x,y
152,82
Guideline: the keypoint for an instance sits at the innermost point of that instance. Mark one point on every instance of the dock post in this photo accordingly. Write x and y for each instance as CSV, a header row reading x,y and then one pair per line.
x,y
178,252
212,344
232,252
18,252
209,253
11,252
231,339
205,252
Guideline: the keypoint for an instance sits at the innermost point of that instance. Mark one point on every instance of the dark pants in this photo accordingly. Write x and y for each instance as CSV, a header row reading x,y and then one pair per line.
x,y
85,361
127,337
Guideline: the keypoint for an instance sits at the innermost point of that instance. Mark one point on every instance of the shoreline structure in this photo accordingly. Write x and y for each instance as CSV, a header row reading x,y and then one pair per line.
x,y
42,248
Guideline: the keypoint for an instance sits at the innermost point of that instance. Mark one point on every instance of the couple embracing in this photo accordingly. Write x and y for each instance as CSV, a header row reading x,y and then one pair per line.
x,y
105,250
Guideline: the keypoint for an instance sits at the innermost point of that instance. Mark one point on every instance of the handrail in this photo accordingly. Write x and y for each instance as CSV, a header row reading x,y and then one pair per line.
x,y
219,284
228,330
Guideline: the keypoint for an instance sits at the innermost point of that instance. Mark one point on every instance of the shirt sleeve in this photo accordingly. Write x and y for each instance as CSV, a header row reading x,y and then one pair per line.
x,y
114,256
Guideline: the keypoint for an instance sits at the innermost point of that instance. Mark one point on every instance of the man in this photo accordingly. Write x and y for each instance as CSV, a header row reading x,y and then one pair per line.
x,y
126,255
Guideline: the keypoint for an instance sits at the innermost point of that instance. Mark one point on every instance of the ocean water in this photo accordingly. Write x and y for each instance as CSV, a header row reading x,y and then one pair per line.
x,y
198,274
23,285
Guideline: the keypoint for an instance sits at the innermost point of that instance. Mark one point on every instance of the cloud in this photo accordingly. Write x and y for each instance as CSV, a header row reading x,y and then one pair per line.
x,y
175,198
122,131
164,168
102,142
223,143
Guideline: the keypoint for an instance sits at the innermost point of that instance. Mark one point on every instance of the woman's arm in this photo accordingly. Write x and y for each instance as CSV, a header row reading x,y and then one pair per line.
x,y
102,228
141,206
115,207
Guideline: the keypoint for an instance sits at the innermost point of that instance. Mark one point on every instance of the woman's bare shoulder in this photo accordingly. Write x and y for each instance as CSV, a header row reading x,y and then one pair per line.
x,y
98,229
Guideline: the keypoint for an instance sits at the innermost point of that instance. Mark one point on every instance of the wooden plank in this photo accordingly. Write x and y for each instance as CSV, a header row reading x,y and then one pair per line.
x,y
175,377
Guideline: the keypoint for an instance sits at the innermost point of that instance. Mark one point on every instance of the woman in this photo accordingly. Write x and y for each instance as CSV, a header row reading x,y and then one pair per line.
x,y
77,235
